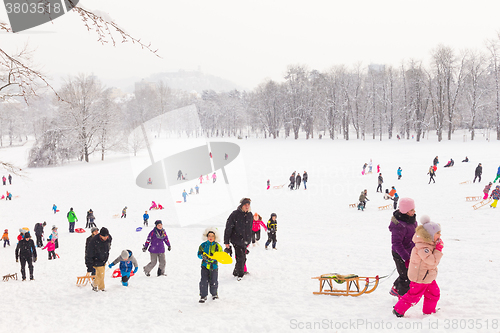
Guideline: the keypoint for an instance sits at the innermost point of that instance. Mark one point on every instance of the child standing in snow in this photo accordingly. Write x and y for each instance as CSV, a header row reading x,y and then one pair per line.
x,y
495,195
5,238
184,195
127,262
51,248
209,267
268,184
364,169
272,228
422,269
197,188
214,177
201,179
370,166
54,236
486,191
257,223
145,217
400,173
124,213
54,208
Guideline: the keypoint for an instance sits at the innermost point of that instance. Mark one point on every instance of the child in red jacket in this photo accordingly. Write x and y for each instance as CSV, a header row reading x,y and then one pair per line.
x,y
257,223
51,248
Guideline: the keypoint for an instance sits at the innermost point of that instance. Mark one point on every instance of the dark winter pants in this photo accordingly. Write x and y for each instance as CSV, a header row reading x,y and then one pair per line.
x,y
379,187
6,242
39,242
125,278
52,255
432,178
292,185
396,203
91,223
23,266
124,215
56,243
402,283
146,222
209,278
255,236
271,237
298,185
241,258
399,177
477,176
71,226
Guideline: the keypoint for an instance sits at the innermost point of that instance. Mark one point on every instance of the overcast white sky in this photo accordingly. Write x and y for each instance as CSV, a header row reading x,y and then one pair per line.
x,y
248,41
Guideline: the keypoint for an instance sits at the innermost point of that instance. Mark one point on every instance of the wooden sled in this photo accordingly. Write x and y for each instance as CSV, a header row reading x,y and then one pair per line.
x,y
10,276
353,284
482,203
115,216
278,187
385,207
473,198
466,182
353,205
81,281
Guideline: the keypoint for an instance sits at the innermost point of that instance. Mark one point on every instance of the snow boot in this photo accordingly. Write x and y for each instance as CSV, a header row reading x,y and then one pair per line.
x,y
215,297
203,299
394,292
397,314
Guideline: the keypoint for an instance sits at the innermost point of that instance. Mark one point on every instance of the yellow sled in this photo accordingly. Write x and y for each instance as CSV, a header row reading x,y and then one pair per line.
x,y
221,257
353,283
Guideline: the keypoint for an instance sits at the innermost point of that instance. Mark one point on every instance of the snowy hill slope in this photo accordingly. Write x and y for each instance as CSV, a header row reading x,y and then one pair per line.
x,y
317,233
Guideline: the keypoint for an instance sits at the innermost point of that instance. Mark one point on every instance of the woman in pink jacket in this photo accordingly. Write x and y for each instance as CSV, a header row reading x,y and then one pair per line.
x,y
422,269
257,223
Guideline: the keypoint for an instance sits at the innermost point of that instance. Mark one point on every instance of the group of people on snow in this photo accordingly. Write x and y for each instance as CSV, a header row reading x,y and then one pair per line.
x,y
296,180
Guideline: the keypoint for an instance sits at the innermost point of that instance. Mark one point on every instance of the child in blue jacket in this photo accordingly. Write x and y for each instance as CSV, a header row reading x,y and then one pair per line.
x,y
209,267
127,262
145,217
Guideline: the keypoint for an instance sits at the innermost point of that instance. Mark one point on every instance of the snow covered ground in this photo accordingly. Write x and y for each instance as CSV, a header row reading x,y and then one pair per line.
x,y
318,233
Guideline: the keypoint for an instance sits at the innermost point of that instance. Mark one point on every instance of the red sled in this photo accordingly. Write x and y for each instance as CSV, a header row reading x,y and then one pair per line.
x,y
57,210
178,201
80,230
117,273
435,167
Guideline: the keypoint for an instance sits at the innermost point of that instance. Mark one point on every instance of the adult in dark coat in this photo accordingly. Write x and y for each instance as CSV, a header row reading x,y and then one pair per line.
x,y
94,231
39,233
479,172
292,181
26,252
298,179
436,161
380,182
239,233
402,227
97,255
305,177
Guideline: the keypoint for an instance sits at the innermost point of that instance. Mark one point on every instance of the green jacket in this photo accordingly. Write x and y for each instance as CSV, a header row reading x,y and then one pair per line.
x,y
71,216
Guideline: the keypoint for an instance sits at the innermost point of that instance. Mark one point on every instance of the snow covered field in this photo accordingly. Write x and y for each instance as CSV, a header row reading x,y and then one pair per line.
x,y
318,233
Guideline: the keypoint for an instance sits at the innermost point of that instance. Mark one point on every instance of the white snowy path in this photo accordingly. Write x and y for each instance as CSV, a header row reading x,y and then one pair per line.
x,y
317,233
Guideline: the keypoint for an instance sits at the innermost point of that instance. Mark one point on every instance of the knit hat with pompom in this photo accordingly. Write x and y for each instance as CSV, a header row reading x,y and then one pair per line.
x,y
431,227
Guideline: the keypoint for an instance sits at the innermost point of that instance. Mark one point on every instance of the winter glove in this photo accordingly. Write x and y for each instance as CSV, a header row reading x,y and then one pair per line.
x,y
17,260
169,248
205,257
229,251
90,269
111,265
144,248
34,259
135,269
439,245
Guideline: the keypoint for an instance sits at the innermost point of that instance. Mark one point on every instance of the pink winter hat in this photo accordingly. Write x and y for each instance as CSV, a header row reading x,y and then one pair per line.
x,y
406,204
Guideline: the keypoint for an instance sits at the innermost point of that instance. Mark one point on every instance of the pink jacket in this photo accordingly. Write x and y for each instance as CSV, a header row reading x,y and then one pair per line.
x,y
50,246
424,258
256,225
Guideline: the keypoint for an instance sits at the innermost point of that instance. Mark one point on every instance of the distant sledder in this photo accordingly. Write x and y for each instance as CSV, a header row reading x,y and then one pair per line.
x,y
362,200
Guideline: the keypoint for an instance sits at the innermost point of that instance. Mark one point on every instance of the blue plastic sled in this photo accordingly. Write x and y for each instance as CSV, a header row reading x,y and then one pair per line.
x,y
138,229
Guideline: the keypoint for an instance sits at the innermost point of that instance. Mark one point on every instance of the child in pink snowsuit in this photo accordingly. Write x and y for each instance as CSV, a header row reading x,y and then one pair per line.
x,y
422,269
257,223
51,248
153,205
486,191
201,179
